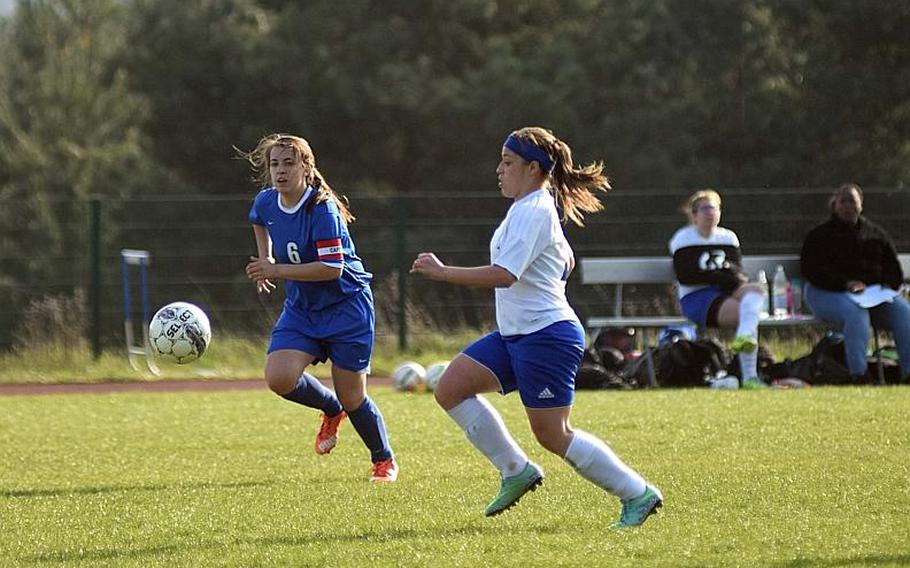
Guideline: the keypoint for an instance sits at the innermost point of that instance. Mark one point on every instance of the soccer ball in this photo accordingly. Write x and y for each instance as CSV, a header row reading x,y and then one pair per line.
x,y
434,372
409,376
180,332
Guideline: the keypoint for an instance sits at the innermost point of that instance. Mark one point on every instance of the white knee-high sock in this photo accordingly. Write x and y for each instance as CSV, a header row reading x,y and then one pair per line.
x,y
748,364
485,429
749,314
596,462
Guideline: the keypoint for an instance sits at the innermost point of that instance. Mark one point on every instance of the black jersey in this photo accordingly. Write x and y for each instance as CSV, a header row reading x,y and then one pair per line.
x,y
705,261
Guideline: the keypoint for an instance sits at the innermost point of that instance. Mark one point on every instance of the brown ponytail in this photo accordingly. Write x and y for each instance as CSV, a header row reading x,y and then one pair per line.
x,y
574,188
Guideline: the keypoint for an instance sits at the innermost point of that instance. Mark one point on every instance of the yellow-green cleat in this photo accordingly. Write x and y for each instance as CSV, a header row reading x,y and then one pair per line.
x,y
754,384
743,344
514,487
636,511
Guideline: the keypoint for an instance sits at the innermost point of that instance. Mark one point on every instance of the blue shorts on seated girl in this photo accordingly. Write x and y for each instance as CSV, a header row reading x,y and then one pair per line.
x,y
702,305
540,365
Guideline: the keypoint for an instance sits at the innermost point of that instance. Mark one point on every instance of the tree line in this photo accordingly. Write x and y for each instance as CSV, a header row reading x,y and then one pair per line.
x,y
127,97
123,99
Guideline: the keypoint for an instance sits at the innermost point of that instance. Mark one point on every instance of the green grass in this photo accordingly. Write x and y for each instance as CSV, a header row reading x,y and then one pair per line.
x,y
235,358
812,477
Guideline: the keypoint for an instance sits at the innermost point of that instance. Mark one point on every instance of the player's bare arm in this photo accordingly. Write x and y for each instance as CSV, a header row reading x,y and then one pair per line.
x,y
427,264
264,269
263,249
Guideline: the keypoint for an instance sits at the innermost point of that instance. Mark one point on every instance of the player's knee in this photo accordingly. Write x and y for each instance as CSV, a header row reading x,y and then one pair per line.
x,y
281,384
443,397
554,440
350,399
550,443
449,393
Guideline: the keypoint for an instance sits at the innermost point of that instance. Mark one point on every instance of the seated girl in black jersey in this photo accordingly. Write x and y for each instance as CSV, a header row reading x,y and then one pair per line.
x,y
713,289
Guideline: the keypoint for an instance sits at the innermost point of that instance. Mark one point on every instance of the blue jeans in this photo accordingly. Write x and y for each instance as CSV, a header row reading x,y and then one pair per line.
x,y
855,321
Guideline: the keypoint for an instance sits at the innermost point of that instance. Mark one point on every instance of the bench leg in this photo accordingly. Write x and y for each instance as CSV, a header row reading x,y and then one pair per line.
x,y
877,357
649,363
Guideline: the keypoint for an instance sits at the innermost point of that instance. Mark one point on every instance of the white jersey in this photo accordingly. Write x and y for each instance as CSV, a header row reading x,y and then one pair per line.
x,y
689,236
531,245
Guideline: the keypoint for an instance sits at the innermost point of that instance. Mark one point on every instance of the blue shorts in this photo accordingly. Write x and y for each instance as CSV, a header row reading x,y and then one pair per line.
x,y
541,365
342,333
701,306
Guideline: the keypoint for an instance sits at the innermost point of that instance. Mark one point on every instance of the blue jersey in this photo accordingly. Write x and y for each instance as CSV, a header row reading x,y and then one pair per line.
x,y
302,235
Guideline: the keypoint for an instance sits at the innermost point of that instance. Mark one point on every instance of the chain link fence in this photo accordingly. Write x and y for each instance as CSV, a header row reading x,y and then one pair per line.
x,y
60,269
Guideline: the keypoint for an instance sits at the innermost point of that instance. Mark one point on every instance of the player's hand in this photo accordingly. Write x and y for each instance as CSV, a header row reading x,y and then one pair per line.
x,y
855,286
265,285
261,269
426,264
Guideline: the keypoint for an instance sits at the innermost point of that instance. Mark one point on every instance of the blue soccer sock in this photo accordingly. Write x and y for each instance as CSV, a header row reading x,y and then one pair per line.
x,y
311,392
368,422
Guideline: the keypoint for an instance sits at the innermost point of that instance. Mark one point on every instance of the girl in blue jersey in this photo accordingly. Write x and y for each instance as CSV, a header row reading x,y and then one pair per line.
x,y
540,341
301,230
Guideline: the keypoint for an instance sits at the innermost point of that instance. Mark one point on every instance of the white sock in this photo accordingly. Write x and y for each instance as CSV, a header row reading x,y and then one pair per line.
x,y
749,314
485,429
748,364
596,462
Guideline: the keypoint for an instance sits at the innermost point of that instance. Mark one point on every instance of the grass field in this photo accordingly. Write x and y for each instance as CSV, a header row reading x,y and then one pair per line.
x,y
812,477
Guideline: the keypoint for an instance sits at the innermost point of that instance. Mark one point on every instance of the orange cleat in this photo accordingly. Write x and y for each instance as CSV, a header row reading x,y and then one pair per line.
x,y
385,471
328,433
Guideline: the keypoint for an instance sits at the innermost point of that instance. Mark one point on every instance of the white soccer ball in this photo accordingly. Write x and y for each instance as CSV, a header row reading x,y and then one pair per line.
x,y
409,376
434,372
180,332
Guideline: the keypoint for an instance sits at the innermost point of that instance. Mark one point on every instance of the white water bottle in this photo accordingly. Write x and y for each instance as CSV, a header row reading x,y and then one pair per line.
x,y
766,302
780,286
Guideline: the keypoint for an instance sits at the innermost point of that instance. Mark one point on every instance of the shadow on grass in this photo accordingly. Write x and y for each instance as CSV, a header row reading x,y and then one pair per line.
x,y
99,489
871,560
307,540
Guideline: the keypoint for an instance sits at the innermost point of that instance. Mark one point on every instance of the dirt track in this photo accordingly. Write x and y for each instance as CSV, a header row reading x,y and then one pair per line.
x,y
147,386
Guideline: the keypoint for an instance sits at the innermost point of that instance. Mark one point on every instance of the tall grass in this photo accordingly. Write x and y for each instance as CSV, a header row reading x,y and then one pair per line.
x,y
231,358
227,358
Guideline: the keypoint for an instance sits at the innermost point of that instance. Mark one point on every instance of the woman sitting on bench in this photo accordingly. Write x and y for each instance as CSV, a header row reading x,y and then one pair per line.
x,y
845,256
713,289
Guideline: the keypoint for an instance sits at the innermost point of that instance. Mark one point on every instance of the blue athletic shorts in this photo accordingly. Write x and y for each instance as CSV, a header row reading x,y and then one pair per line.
x,y
342,333
701,306
541,365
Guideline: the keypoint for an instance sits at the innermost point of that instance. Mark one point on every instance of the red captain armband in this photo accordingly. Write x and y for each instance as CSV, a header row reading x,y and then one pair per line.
x,y
330,250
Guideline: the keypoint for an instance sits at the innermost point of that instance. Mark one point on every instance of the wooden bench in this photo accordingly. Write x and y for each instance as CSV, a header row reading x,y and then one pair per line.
x,y
619,271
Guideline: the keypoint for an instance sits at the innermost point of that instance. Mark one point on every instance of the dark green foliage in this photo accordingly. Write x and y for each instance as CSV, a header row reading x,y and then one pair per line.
x,y
398,96
128,99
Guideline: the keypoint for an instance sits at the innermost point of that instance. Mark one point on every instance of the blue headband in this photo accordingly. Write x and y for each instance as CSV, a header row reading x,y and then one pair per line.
x,y
530,152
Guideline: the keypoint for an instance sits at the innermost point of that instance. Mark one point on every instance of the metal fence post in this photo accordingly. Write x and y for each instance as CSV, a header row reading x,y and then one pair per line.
x,y
401,260
95,260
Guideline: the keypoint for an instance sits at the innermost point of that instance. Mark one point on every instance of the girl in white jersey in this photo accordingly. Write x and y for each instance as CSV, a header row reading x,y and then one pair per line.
x,y
713,289
540,341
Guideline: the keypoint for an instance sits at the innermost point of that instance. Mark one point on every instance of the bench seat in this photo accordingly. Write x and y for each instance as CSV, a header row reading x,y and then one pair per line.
x,y
618,271
661,321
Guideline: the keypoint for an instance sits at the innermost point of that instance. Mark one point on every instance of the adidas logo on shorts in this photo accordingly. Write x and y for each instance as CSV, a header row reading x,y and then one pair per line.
x,y
545,393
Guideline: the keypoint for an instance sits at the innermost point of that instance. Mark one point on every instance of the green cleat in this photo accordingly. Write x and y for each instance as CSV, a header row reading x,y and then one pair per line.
x,y
636,511
754,384
514,487
744,344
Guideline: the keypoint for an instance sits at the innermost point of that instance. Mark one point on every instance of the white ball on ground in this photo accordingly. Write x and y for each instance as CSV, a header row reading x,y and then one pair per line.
x,y
409,376
434,373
